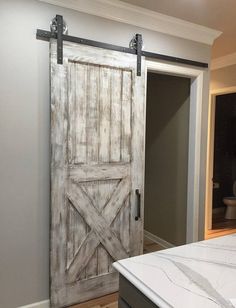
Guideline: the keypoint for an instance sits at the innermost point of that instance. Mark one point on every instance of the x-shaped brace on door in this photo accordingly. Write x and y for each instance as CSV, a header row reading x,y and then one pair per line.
x,y
100,224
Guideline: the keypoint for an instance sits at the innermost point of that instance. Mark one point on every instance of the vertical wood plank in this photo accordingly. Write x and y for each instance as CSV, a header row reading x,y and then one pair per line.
x,y
126,116
91,189
125,225
105,191
116,227
138,159
115,137
58,179
105,113
92,113
103,261
80,113
80,231
92,268
76,232
71,111
70,235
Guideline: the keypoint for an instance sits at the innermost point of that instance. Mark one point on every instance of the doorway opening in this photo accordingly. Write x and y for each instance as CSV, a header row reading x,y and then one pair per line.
x,y
221,202
195,160
166,161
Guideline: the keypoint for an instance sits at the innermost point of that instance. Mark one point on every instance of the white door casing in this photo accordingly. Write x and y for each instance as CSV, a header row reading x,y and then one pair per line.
x,y
97,163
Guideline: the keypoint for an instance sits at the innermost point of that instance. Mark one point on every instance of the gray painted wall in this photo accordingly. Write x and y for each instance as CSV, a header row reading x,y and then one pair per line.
x,y
223,78
24,134
167,134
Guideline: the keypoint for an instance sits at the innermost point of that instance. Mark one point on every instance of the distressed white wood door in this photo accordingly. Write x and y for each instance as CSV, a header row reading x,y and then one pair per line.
x,y
97,162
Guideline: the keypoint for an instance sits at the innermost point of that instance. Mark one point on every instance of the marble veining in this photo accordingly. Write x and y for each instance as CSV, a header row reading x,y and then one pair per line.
x,y
201,274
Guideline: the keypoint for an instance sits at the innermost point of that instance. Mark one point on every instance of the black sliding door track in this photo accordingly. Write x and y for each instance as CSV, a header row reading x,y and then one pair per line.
x,y
60,37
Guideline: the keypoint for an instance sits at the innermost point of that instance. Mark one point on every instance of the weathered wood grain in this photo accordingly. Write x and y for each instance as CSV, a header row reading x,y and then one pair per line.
x,y
87,173
91,269
125,225
138,160
82,256
58,179
99,101
103,260
80,131
92,114
77,230
116,121
98,115
105,114
126,116
101,233
71,111
97,286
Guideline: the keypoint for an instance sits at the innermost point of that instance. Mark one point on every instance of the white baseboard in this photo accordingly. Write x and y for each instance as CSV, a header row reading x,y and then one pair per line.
x,y
43,304
152,237
158,240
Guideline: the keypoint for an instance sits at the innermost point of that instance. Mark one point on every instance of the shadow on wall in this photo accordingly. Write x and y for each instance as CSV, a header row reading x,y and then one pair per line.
x,y
167,132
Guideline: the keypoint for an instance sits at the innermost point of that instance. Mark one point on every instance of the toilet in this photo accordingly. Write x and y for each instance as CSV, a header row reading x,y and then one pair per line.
x,y
230,202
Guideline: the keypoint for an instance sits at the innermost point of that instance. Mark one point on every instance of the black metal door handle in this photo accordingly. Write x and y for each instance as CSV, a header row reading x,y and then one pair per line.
x,y
138,195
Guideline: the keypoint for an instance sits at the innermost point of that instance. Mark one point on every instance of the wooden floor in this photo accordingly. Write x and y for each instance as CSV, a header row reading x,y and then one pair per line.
x,y
220,223
150,246
221,226
110,301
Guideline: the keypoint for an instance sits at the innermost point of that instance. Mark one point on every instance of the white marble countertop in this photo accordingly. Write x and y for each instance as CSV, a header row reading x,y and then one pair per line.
x,y
201,274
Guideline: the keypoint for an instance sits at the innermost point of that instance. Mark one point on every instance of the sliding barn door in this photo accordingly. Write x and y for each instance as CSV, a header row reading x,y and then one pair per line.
x,y
97,163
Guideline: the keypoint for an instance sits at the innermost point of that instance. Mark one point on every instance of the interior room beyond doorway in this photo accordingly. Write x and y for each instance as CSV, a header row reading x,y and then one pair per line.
x,y
166,162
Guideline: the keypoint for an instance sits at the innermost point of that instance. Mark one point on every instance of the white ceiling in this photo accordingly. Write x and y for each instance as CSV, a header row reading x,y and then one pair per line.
x,y
216,14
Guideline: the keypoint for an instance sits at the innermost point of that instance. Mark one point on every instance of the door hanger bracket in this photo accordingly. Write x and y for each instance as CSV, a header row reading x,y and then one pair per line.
x,y
137,44
59,27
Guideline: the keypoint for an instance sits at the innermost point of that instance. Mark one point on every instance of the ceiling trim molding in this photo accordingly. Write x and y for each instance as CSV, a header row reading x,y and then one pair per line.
x,y
141,17
224,61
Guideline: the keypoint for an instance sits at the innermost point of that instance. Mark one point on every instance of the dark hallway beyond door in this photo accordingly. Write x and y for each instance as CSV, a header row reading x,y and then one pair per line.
x,y
224,166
